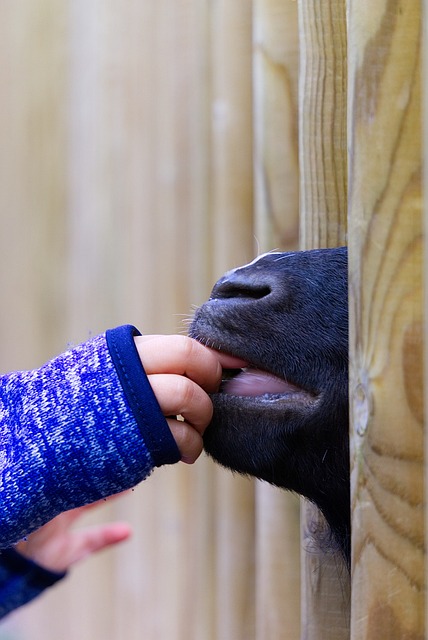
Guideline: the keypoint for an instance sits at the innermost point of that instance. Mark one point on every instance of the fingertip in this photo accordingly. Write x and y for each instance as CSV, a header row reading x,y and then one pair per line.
x,y
228,361
189,441
122,531
187,460
114,533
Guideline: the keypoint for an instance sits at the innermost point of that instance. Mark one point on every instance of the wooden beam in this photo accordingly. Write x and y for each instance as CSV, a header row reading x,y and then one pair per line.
x,y
276,154
276,165
231,239
322,123
386,347
323,221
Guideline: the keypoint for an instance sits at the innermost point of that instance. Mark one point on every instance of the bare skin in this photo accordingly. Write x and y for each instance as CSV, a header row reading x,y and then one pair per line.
x,y
181,373
57,546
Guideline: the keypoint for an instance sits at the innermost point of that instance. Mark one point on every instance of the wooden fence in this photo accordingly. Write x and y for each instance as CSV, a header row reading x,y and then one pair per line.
x,y
147,147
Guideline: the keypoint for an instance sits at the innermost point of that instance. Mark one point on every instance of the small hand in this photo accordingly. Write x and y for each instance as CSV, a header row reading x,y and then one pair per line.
x,y
182,372
56,547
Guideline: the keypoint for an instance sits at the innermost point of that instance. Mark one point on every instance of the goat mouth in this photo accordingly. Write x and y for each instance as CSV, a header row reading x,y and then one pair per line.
x,y
251,382
252,385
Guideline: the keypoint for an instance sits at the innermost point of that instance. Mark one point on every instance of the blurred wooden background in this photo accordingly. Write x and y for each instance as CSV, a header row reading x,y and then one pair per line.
x,y
128,186
147,147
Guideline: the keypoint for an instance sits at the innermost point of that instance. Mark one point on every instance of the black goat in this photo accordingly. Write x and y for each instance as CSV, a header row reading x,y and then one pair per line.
x,y
284,418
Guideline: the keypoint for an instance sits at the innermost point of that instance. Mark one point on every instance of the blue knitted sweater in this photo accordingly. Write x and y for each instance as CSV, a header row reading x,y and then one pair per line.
x,y
84,426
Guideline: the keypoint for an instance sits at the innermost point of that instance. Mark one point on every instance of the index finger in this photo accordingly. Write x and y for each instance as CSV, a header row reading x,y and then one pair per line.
x,y
180,355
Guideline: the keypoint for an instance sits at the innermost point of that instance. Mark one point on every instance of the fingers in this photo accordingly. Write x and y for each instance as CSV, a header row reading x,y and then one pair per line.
x,y
94,539
181,356
188,440
56,547
227,361
181,372
178,395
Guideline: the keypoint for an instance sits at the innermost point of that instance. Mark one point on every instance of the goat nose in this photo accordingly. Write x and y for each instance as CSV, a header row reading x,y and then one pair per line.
x,y
238,284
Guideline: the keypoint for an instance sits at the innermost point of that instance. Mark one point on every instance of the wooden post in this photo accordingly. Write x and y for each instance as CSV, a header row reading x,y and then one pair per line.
x,y
32,179
232,244
322,123
386,347
425,233
323,194
275,74
107,165
276,153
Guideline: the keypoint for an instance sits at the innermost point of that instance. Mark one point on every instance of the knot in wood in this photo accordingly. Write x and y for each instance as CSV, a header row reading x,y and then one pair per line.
x,y
361,408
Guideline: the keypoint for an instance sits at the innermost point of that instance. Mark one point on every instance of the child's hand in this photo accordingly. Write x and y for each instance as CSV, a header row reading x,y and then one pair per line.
x,y
182,373
56,547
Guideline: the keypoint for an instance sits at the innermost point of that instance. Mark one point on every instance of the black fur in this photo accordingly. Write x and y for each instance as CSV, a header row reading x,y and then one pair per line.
x,y
286,314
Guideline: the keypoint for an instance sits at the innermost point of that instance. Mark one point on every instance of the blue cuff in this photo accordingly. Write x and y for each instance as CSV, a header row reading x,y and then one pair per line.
x,y
136,387
22,580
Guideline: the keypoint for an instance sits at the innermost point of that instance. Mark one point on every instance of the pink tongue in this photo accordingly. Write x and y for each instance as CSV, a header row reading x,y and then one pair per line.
x,y
253,382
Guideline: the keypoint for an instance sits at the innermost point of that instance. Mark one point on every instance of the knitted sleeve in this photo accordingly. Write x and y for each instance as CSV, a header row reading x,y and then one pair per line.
x,y
84,426
21,580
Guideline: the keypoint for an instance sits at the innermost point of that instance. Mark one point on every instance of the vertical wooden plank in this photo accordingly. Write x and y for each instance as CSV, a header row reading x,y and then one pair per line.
x,y
169,266
33,185
275,75
386,272
108,129
232,232
276,155
171,570
322,124
148,162
323,194
232,183
278,565
33,169
424,35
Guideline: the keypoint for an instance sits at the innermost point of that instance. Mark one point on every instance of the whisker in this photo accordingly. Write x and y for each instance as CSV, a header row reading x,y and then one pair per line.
x,y
285,255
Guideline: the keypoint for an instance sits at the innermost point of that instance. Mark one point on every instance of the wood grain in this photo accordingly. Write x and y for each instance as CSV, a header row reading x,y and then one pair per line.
x,y
231,244
111,195
386,348
323,223
276,175
275,88
322,123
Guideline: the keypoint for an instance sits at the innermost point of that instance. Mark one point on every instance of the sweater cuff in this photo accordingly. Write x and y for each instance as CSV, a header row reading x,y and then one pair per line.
x,y
136,387
22,580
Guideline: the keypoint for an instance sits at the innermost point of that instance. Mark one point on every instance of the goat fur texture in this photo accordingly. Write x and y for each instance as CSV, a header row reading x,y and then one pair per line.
x,y
284,418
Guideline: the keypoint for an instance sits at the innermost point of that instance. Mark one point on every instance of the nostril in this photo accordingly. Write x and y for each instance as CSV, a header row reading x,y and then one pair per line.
x,y
233,287
255,293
